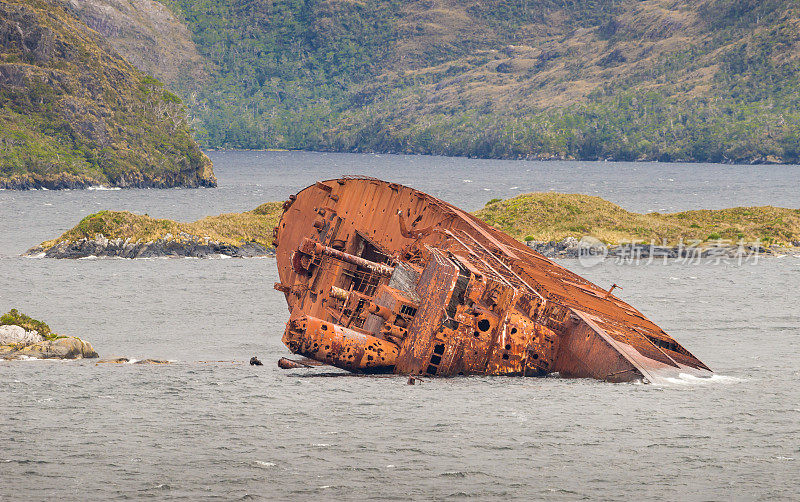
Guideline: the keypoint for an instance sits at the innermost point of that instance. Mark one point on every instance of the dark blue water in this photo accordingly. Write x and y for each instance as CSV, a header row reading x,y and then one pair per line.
x,y
209,426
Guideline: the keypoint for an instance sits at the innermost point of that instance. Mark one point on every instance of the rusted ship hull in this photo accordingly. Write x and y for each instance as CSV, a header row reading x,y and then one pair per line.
x,y
383,278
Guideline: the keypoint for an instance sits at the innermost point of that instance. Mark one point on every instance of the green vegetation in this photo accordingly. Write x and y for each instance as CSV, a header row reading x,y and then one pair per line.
x,y
16,318
546,216
554,216
708,80
74,113
234,228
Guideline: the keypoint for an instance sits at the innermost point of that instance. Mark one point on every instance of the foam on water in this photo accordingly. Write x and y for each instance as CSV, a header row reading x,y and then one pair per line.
x,y
685,379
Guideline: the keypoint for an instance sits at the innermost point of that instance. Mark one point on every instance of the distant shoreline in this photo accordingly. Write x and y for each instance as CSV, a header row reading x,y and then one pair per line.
x,y
66,181
767,161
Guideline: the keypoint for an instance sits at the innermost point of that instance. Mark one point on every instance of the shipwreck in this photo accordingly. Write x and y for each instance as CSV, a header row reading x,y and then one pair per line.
x,y
382,278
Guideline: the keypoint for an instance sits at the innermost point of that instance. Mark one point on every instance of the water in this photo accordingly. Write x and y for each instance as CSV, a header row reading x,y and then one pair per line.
x,y
209,426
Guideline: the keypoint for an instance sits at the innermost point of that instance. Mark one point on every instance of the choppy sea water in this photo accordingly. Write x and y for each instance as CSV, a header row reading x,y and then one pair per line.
x,y
209,426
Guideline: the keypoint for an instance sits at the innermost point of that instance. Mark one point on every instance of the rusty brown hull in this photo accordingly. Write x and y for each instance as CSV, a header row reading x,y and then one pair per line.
x,y
379,277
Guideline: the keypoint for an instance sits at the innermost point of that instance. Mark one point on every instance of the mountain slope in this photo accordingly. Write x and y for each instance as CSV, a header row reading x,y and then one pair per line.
x,y
709,80
149,36
73,113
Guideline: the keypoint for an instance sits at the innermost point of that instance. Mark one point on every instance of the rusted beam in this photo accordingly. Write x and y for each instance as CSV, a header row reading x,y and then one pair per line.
x,y
288,364
374,267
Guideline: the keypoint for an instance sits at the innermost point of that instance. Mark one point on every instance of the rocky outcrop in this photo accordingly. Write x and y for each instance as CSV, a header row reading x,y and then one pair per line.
x,y
59,348
24,337
148,35
17,335
185,246
125,360
574,248
61,181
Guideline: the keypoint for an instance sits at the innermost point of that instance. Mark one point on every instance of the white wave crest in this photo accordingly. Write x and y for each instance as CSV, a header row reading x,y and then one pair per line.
x,y
101,187
687,379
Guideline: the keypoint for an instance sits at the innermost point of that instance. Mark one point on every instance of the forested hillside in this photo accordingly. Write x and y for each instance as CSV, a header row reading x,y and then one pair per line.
x,y
707,80
73,113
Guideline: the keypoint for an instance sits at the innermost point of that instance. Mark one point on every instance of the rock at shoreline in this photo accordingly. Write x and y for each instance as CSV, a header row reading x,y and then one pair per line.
x,y
152,361
125,360
166,247
114,360
123,234
22,336
571,247
60,348
60,181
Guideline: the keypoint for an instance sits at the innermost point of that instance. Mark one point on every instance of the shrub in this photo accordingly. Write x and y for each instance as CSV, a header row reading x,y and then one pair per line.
x,y
15,318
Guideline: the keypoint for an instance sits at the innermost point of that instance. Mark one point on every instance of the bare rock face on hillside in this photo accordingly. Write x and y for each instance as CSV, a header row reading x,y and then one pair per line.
x,y
148,35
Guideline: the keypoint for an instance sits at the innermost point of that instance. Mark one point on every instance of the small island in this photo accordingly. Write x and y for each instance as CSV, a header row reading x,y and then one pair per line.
x,y
124,234
549,222
23,337
553,223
